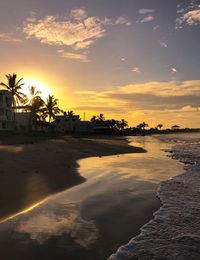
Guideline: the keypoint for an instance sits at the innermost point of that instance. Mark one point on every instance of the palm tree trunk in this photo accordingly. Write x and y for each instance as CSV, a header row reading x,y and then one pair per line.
x,y
13,105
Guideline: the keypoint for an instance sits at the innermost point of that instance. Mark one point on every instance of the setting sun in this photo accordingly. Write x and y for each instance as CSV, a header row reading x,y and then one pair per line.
x,y
40,86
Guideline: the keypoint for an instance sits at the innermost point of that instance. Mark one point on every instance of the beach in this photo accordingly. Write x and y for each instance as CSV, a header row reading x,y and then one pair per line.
x,y
99,130
32,169
173,232
92,220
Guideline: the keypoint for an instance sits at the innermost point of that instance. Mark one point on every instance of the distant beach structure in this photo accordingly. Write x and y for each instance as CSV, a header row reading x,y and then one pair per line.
x,y
6,114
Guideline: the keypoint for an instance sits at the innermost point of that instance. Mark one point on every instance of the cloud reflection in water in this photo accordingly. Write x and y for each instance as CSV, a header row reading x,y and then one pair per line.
x,y
44,225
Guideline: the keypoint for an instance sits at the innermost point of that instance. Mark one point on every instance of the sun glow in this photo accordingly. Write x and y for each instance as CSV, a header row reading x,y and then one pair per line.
x,y
40,86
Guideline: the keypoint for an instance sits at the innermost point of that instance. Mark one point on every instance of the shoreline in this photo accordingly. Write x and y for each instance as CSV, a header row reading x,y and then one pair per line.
x,y
108,210
33,169
171,232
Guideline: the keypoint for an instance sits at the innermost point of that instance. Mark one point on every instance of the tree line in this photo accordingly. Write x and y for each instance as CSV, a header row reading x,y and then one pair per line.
x,y
46,110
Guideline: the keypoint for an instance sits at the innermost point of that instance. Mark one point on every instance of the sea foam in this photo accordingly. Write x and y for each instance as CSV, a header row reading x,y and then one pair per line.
x,y
174,232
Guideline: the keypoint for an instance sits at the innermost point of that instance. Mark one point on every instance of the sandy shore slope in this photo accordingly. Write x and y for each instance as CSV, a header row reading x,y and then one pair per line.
x,y
33,171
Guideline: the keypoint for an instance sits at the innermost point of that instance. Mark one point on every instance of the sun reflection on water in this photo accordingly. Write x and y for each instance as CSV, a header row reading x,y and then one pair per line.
x,y
24,211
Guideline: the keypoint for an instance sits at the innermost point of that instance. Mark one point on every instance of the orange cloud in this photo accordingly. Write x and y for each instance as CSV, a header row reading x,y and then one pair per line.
x,y
77,34
154,102
190,18
75,56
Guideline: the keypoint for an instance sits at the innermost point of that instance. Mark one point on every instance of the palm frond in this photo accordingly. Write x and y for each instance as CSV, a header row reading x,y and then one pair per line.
x,y
17,83
4,85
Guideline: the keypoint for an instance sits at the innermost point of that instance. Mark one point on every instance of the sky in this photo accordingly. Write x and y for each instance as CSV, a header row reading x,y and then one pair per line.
x,y
132,59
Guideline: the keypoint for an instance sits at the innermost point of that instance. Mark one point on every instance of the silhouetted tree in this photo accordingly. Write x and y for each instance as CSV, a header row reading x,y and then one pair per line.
x,y
37,109
112,123
123,123
159,126
33,94
93,119
51,108
35,104
117,124
101,118
70,113
142,126
14,85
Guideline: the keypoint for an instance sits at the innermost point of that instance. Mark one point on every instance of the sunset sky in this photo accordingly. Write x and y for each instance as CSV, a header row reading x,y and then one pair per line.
x,y
132,59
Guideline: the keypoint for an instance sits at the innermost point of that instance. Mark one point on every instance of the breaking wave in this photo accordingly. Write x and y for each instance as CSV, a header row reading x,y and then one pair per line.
x,y
174,232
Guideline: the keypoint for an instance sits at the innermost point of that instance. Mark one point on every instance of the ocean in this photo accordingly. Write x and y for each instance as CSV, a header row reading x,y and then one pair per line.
x,y
174,231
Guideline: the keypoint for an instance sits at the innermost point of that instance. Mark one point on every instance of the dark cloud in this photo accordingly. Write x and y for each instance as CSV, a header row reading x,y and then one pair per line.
x,y
103,109
156,102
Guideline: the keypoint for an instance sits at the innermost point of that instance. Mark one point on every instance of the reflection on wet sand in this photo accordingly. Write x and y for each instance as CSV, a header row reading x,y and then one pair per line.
x,y
43,226
30,193
12,149
29,174
24,211
92,220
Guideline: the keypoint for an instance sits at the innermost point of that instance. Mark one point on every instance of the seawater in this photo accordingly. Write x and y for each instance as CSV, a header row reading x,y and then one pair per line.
x,y
174,232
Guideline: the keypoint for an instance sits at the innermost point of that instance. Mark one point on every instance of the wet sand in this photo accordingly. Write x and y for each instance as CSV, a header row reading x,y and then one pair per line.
x,y
92,220
33,169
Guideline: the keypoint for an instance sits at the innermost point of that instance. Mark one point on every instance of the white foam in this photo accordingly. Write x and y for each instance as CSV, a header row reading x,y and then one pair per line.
x,y
174,232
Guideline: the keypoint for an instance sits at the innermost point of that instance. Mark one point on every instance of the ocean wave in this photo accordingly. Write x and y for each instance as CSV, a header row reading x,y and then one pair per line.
x,y
174,232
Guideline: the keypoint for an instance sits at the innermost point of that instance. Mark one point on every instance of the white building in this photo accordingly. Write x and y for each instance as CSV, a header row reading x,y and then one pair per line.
x,y
10,121
66,123
23,121
6,114
72,124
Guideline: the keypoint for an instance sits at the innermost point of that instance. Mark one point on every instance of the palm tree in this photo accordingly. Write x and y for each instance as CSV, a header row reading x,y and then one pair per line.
x,y
142,126
113,123
101,118
51,107
34,93
30,99
37,109
34,104
159,126
70,113
123,123
14,86
93,119
110,123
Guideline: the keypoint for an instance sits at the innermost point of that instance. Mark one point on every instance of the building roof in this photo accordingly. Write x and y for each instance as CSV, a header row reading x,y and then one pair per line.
x,y
5,91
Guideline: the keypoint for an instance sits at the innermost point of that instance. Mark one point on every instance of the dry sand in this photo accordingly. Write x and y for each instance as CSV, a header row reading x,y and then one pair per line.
x,y
33,169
